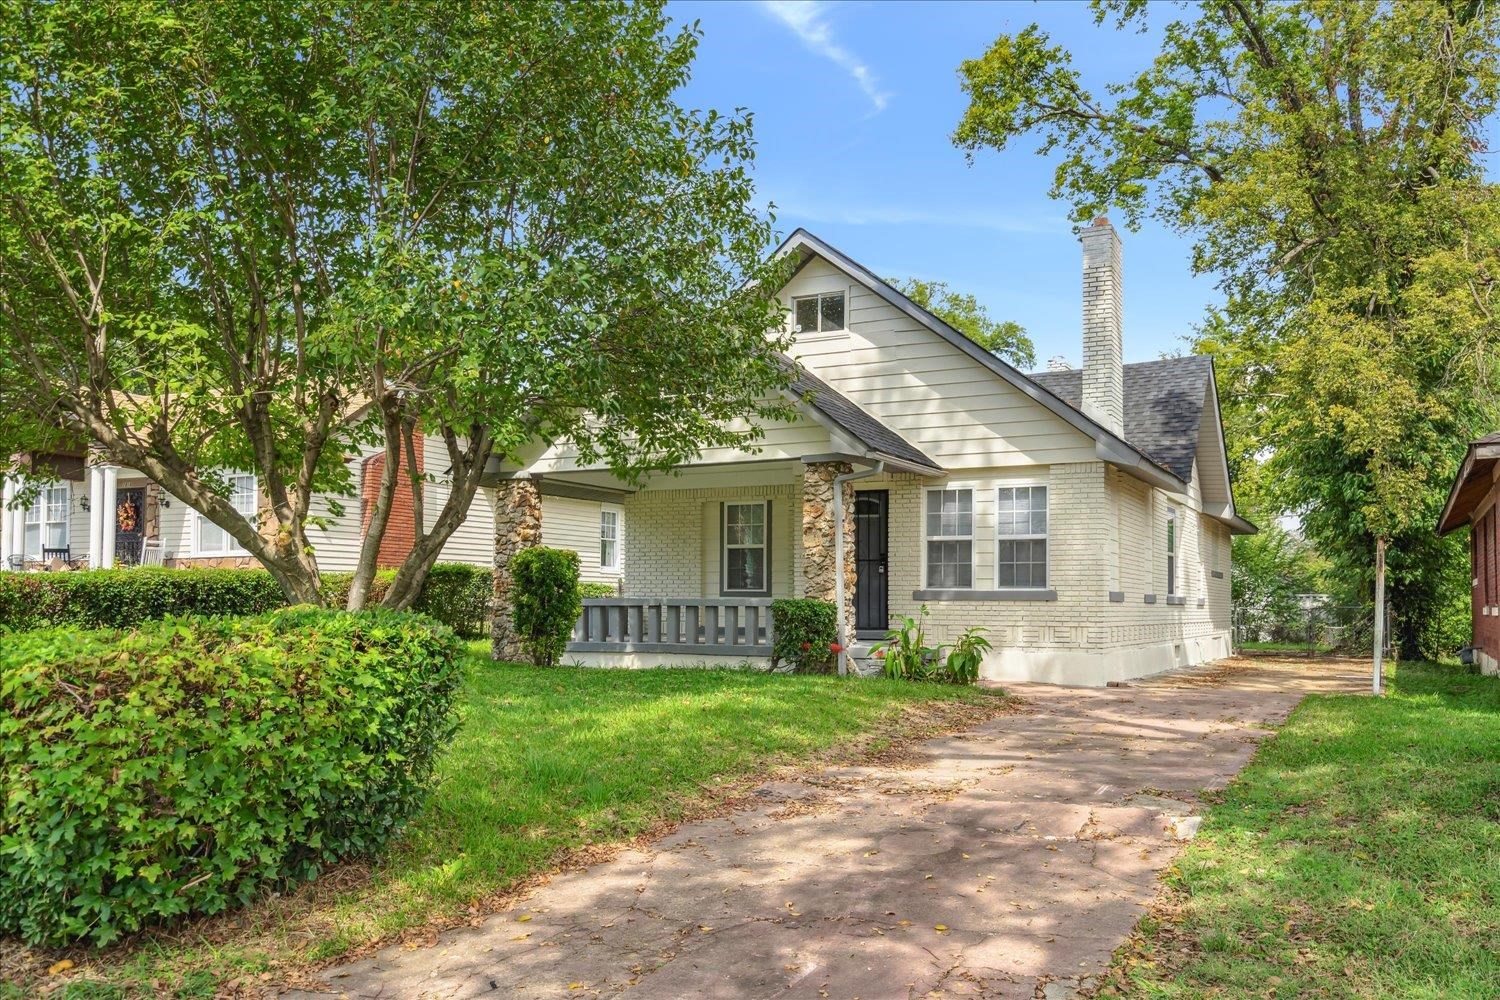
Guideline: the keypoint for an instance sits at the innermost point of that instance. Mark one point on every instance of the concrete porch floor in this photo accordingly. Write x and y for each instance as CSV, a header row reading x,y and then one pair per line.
x,y
1009,861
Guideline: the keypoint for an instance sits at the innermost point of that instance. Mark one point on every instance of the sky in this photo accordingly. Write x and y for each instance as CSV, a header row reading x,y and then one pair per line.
x,y
854,106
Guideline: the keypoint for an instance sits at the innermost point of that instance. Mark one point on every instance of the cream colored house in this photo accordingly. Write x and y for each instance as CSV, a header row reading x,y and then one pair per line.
x,y
1082,517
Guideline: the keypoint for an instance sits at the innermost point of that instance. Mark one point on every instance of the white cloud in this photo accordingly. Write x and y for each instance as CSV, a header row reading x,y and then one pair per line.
x,y
805,19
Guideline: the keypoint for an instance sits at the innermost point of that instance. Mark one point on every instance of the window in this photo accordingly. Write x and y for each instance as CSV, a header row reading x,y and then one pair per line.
x,y
609,539
1021,537
747,526
950,539
1171,551
47,521
210,539
820,313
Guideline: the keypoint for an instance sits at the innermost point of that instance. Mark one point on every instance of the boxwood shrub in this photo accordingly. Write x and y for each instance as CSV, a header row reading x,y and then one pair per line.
x,y
185,767
806,630
455,594
547,601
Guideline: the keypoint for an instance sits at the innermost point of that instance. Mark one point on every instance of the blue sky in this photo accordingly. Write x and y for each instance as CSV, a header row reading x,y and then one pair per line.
x,y
854,104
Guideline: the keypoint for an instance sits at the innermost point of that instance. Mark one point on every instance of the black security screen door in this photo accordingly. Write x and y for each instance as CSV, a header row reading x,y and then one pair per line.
x,y
870,551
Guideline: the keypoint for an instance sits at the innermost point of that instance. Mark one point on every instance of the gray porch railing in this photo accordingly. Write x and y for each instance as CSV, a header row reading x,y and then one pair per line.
x,y
674,625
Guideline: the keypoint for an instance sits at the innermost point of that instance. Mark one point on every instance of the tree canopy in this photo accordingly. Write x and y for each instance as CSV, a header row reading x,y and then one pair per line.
x,y
277,236
1006,339
1326,161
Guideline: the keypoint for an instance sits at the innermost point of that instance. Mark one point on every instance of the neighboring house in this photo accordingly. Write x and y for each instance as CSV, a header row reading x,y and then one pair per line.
x,y
1082,517
1472,502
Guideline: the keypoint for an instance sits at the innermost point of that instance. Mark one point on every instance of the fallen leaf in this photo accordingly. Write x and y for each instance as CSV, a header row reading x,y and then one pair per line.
x,y
941,928
57,967
523,918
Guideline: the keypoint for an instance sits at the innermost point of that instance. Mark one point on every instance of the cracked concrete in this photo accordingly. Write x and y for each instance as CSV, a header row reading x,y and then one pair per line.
x,y
1009,861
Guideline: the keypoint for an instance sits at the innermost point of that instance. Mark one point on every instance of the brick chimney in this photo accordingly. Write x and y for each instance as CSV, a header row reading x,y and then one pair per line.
x,y
1103,355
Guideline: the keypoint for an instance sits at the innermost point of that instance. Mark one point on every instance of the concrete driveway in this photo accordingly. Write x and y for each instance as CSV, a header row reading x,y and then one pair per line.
x,y
1009,861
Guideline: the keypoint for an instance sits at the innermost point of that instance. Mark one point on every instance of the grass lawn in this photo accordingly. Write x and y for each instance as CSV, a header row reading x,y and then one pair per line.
x,y
546,761
1357,856
1282,647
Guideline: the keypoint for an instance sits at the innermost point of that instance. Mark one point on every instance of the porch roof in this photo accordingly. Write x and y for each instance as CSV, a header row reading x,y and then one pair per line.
x,y
1472,484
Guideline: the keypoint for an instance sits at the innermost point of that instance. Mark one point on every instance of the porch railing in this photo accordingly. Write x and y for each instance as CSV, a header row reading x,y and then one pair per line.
x,y
674,625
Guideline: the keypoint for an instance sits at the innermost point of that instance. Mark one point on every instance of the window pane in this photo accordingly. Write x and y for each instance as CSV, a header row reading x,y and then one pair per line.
x,y
745,524
1021,564
950,564
807,315
211,537
745,569
832,307
606,552
32,542
243,496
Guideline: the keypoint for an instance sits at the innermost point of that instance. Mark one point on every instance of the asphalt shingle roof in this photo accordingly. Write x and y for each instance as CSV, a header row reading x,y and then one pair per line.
x,y
1163,406
842,411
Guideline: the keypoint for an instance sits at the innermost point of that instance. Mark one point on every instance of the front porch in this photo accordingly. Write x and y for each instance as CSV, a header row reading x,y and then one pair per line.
x,y
86,514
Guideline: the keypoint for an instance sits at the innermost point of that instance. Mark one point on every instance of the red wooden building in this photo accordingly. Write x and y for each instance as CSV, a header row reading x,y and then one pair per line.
x,y
1471,502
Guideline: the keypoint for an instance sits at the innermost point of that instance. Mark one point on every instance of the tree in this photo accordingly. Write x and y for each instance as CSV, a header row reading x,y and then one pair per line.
x,y
269,236
1005,339
1325,160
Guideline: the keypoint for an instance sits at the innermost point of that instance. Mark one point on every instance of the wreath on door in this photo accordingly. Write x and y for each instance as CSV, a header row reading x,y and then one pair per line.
x,y
127,518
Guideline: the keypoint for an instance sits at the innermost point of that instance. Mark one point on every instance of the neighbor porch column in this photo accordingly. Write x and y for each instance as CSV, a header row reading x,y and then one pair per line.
x,y
518,525
819,536
8,539
107,517
96,515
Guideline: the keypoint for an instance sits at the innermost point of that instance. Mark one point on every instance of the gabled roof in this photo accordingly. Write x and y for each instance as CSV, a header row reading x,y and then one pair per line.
x,y
1110,447
1163,405
857,423
1476,476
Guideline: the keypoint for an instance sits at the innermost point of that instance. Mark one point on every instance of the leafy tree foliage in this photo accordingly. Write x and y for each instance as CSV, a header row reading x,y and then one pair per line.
x,y
272,236
1005,339
1325,159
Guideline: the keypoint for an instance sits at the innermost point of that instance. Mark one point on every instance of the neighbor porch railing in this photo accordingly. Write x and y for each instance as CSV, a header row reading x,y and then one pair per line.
x,y
674,625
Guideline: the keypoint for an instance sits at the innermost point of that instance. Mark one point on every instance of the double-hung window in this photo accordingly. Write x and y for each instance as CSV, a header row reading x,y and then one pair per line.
x,y
819,313
1021,537
1171,551
211,540
46,522
609,538
746,533
950,539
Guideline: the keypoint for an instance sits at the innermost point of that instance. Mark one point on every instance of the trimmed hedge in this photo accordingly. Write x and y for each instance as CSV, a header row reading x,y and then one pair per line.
x,y
547,601
456,594
806,632
187,766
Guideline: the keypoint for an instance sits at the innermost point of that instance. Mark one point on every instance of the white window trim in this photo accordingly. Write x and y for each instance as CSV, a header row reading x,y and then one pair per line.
x,y
970,538
841,292
199,520
619,515
1045,537
724,547
42,508
1170,549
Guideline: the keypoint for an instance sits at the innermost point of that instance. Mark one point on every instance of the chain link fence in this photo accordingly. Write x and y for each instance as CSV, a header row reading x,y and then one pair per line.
x,y
1311,625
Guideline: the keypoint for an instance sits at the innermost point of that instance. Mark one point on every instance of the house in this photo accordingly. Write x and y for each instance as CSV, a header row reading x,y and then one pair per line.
x,y
1082,516
1471,501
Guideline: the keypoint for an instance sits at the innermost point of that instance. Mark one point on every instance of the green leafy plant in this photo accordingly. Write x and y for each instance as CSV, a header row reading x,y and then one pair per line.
x,y
590,588
184,767
546,601
906,655
456,594
965,655
806,635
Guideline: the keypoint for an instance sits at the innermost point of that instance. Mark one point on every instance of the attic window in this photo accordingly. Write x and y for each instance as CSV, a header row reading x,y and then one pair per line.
x,y
820,313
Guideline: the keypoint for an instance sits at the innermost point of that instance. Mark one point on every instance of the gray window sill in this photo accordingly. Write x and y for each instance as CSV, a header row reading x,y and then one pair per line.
x,y
1117,597
1218,574
1019,594
1176,600
1149,598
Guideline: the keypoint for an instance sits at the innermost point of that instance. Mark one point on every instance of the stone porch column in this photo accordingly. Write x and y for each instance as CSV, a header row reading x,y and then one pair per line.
x,y
518,525
819,537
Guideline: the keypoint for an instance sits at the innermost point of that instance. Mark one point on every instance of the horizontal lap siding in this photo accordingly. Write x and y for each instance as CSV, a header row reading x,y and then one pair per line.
x,y
932,393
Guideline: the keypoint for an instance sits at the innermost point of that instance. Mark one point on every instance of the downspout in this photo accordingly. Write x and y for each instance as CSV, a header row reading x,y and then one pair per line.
x,y
838,555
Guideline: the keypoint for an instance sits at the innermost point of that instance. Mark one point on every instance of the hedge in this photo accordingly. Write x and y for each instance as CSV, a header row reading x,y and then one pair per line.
x,y
547,601
806,632
456,594
187,766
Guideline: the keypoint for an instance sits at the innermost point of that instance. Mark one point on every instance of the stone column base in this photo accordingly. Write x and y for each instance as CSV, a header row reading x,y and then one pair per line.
x,y
819,537
518,525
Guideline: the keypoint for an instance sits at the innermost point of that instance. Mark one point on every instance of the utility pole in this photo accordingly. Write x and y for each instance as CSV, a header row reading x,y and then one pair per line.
x,y
1379,610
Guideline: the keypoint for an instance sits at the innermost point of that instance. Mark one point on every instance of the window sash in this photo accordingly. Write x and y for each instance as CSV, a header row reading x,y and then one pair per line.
x,y
814,313
1022,552
746,550
212,540
1171,551
948,527
46,521
609,539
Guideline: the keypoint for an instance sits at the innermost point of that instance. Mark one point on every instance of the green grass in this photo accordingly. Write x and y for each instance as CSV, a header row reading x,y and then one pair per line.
x,y
546,761
1289,647
1358,855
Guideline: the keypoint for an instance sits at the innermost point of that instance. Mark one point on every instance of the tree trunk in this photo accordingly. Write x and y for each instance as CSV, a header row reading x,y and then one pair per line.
x,y
1377,680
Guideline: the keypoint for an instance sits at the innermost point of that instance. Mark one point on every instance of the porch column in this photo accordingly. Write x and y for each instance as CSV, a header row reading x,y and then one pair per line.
x,y
819,536
9,542
518,525
96,516
107,517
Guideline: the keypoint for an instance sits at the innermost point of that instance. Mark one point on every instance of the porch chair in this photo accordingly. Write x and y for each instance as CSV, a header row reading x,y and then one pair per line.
x,y
153,554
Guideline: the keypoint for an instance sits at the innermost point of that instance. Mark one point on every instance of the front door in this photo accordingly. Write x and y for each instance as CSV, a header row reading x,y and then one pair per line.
x,y
870,556
130,526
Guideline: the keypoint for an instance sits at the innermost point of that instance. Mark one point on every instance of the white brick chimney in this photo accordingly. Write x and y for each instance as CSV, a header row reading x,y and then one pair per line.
x,y
1103,355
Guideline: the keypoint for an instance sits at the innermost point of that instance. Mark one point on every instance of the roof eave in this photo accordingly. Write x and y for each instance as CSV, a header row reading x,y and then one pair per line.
x,y
1451,520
